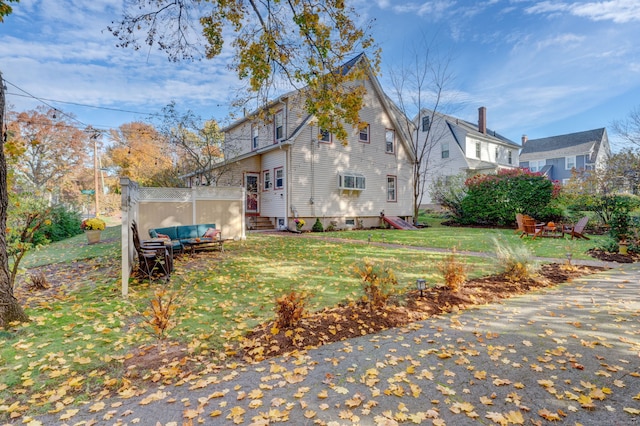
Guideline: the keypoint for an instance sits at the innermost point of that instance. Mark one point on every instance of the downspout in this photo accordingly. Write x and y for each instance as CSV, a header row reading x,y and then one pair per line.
x,y
313,175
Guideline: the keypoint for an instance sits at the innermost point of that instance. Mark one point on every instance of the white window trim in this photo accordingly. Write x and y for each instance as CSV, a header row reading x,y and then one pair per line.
x,y
366,131
266,177
321,136
278,119
276,178
358,180
392,181
444,145
539,165
255,142
388,132
566,162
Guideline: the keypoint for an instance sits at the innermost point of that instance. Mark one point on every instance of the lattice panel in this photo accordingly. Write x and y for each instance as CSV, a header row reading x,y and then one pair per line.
x,y
159,194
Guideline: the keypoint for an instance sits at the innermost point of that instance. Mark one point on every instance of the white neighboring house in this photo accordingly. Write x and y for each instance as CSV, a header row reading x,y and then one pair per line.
x,y
458,147
292,169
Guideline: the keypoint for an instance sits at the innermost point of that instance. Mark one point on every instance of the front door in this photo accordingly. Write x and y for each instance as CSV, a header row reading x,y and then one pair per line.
x,y
251,188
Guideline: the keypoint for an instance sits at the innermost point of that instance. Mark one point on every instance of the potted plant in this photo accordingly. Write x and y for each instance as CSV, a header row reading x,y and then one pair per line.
x,y
92,228
299,224
619,229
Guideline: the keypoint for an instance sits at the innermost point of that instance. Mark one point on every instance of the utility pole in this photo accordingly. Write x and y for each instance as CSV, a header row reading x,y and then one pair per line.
x,y
95,172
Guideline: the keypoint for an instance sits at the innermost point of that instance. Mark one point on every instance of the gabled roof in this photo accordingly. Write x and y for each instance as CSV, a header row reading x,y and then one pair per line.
x,y
461,128
580,143
388,105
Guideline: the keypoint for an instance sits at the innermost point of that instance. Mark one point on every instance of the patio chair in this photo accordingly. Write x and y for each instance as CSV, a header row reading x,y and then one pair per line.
x,y
577,230
520,223
152,256
531,228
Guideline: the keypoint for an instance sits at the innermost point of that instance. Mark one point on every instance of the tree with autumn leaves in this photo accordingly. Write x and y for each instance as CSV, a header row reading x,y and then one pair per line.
x,y
296,43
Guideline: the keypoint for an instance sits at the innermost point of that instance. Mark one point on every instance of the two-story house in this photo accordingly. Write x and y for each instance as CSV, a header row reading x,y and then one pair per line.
x,y
557,156
292,169
458,147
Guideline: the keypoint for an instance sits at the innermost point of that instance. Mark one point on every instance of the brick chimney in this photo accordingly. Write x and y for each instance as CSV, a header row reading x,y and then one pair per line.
x,y
482,120
524,139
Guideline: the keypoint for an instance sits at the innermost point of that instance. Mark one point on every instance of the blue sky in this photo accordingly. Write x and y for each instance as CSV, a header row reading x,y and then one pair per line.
x,y
541,68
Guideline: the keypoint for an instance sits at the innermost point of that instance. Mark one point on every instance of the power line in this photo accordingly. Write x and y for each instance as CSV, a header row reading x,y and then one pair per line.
x,y
85,105
50,106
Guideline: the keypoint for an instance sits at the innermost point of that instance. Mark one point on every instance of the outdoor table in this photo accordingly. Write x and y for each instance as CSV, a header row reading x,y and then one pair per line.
x,y
555,231
194,244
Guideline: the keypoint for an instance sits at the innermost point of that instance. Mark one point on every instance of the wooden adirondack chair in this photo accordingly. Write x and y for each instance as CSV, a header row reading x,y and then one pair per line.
x,y
577,230
520,223
531,228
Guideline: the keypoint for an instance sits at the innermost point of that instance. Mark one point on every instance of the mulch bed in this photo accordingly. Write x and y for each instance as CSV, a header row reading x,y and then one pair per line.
x,y
356,319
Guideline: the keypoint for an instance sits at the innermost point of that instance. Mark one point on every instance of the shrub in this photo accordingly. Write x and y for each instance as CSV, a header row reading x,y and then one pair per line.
x,y
159,315
317,227
517,262
65,223
290,308
496,199
379,283
37,281
454,272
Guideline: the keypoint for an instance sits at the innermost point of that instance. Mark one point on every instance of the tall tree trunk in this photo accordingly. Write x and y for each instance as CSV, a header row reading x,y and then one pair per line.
x,y
10,309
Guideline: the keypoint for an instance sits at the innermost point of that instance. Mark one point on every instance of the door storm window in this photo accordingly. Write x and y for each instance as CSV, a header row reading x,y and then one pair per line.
x,y
391,188
266,178
279,176
389,136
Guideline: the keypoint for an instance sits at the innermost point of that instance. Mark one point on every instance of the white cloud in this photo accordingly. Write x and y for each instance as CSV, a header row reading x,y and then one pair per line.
x,y
618,11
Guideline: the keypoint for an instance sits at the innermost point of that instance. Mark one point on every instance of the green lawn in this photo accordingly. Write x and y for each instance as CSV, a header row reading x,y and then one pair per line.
x,y
78,342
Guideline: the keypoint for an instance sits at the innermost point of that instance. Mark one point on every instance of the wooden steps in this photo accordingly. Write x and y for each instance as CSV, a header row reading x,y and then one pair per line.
x,y
259,223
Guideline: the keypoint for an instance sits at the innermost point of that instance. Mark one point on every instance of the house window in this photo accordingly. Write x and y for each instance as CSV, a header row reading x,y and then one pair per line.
x,y
570,162
351,181
444,146
278,128
426,123
478,150
389,136
537,165
324,136
510,157
566,181
254,137
497,154
266,178
391,188
279,172
364,134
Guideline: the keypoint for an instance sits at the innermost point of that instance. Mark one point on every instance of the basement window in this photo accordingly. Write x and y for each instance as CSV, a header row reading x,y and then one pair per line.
x,y
351,181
